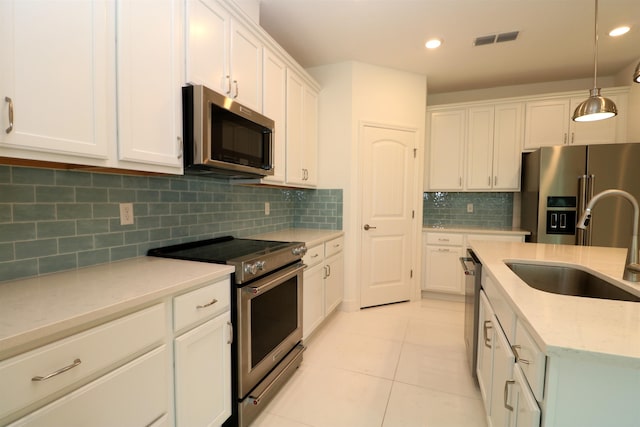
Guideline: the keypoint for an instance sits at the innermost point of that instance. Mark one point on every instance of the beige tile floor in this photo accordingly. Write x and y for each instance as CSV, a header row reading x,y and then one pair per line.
x,y
401,365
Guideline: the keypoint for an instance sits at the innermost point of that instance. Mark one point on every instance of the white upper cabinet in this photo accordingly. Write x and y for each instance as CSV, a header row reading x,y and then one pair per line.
x,y
56,85
223,54
494,146
487,138
548,122
274,106
302,132
149,77
447,130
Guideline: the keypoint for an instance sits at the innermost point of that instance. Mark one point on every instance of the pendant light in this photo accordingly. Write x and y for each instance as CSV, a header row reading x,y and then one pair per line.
x,y
596,107
636,74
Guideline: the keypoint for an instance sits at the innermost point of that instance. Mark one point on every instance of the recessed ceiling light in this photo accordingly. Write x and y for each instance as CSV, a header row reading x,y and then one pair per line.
x,y
433,43
619,31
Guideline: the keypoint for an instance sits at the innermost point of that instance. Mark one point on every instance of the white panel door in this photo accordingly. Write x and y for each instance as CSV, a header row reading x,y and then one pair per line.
x,y
149,82
203,374
207,45
274,106
246,67
480,148
388,186
446,149
547,123
312,299
57,59
598,132
507,146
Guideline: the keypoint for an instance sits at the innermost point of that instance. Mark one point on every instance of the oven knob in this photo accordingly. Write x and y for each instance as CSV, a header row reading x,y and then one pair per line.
x,y
260,265
301,250
251,268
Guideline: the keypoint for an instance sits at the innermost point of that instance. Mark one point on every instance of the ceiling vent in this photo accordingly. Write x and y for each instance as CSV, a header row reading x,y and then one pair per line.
x,y
499,38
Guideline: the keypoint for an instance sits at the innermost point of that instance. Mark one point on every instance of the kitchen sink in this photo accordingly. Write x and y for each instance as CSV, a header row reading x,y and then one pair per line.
x,y
565,280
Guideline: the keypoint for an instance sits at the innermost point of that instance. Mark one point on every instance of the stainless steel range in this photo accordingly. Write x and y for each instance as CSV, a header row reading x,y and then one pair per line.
x,y
266,311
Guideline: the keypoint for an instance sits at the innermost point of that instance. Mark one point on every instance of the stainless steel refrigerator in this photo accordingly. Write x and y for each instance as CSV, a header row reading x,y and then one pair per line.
x,y
557,183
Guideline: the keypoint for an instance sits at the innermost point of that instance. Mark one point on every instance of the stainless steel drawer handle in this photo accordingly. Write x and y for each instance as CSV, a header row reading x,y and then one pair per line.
x,y
506,394
486,326
315,255
10,101
230,325
209,304
515,349
58,372
440,239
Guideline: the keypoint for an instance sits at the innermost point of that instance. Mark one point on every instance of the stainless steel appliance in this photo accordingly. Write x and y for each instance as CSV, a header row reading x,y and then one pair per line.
x,y
473,276
224,138
558,182
266,310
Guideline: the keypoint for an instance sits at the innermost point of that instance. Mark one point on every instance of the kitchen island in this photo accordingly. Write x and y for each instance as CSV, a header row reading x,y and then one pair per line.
x,y
588,367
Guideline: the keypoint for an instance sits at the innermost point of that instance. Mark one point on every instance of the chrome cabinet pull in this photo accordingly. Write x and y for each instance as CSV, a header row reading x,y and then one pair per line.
x,y
180,147
58,372
486,326
315,255
209,304
495,180
230,325
10,101
489,181
515,349
228,84
237,91
506,394
573,137
440,239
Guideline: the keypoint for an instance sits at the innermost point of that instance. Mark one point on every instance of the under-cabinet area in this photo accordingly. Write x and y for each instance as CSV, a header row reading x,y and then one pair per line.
x,y
442,250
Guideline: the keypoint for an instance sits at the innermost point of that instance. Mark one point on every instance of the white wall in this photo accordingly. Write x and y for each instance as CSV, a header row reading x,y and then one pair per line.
x,y
624,78
520,90
352,93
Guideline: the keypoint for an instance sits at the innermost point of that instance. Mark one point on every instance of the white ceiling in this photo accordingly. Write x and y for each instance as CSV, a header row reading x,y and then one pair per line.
x,y
555,42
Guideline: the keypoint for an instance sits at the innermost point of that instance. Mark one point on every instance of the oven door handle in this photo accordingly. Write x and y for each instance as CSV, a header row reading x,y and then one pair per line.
x,y
281,276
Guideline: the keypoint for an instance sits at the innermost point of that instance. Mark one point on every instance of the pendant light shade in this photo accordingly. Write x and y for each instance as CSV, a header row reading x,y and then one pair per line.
x,y
636,74
596,107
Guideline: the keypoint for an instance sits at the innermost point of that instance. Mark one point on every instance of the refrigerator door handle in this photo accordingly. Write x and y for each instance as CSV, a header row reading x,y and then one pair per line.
x,y
583,199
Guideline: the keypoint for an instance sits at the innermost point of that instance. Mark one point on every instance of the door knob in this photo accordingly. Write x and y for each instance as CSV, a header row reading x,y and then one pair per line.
x,y
367,227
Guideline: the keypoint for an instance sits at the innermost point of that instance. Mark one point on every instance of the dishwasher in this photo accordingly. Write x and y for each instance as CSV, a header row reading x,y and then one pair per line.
x,y
472,280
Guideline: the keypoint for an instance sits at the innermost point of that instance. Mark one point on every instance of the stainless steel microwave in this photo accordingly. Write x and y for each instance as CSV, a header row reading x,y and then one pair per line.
x,y
224,138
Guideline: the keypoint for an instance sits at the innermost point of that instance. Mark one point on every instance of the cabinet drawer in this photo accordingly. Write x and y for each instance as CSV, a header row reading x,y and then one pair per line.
x,y
133,395
96,349
201,303
500,305
452,239
531,359
333,246
314,255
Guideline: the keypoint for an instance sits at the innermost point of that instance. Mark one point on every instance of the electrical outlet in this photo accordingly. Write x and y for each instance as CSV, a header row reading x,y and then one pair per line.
x,y
469,207
126,213
267,208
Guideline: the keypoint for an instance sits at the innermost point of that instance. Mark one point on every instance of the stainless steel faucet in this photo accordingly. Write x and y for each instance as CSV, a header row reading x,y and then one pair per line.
x,y
632,267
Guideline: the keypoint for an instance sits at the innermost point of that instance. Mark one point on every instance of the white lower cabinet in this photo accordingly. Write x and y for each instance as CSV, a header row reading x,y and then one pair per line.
x,y
441,252
203,374
120,373
133,395
202,366
323,283
507,398
90,378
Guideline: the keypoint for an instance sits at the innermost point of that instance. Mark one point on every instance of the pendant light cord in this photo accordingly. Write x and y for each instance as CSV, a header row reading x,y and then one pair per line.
x,y
595,48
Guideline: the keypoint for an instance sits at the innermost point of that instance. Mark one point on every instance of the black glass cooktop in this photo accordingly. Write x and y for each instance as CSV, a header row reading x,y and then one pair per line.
x,y
221,250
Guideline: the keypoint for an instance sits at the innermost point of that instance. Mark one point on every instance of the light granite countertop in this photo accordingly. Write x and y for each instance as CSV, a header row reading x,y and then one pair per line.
x,y
37,310
561,323
310,237
476,230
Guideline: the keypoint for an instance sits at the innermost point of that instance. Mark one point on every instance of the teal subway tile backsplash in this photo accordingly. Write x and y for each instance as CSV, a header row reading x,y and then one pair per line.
x,y
53,220
490,210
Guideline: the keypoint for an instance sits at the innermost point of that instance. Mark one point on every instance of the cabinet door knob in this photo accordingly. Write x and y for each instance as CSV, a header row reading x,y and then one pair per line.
x,y
368,227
